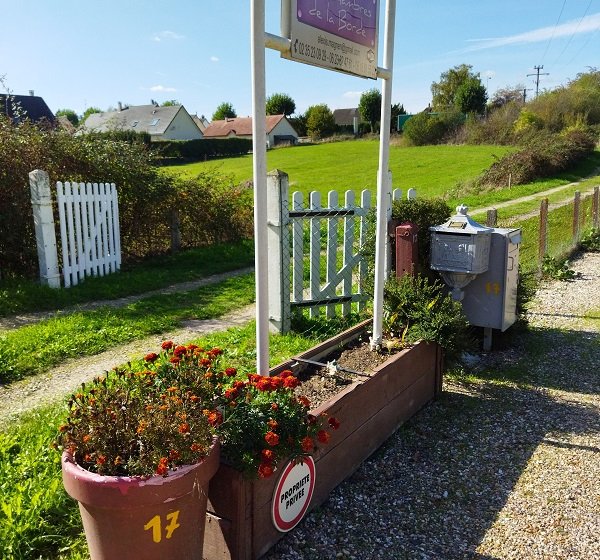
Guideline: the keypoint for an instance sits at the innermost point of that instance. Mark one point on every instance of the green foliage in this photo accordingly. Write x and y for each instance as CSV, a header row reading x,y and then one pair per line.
x,y
497,128
70,114
198,150
591,241
397,110
425,213
543,156
170,103
280,104
146,195
527,121
299,124
444,91
224,111
471,96
416,308
507,95
319,121
369,107
557,269
427,128
89,111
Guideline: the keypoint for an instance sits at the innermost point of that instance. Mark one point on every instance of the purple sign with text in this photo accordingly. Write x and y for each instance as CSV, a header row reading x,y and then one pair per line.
x,y
354,20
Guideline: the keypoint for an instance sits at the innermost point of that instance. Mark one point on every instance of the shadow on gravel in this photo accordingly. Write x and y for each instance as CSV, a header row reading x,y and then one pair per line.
x,y
437,485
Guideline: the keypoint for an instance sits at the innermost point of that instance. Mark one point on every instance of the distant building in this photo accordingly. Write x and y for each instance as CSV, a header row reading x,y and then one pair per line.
x,y
22,107
201,121
345,117
279,129
162,123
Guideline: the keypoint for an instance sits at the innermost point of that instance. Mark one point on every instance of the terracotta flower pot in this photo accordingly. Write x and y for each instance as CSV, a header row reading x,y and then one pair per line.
x,y
143,517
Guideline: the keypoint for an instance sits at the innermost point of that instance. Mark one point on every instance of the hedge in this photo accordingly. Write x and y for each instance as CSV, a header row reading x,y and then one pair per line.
x,y
203,148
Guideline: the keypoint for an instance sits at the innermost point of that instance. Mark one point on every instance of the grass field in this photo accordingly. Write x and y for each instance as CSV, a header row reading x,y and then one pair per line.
x,y
434,170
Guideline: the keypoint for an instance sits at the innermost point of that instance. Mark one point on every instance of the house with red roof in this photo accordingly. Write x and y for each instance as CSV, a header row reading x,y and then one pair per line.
x,y
279,130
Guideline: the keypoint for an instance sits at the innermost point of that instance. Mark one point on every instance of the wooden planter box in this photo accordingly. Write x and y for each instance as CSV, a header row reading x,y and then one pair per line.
x,y
239,524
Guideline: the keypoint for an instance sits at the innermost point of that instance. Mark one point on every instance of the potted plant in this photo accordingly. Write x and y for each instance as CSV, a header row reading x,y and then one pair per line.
x,y
140,447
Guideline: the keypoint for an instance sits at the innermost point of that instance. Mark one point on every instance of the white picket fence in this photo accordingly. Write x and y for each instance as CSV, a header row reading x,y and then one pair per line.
x,y
336,269
89,230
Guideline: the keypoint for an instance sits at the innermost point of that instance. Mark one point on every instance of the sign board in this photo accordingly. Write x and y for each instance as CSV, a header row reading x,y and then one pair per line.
x,y
335,34
293,494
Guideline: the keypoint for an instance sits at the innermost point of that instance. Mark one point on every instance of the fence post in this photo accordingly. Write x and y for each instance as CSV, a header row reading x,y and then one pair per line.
x,y
492,218
175,231
543,240
278,242
595,204
43,219
576,216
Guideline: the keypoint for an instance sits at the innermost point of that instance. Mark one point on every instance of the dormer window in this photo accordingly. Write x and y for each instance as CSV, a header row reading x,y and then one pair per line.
x,y
134,124
154,122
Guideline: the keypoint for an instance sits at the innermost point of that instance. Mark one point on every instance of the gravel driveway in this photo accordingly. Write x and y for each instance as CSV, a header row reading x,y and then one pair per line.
x,y
500,467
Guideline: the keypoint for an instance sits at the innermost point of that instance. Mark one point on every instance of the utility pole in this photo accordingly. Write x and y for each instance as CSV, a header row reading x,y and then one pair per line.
x,y
525,90
537,79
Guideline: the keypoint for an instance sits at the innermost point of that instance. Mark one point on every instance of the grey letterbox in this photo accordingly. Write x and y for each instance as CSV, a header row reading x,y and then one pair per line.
x,y
460,245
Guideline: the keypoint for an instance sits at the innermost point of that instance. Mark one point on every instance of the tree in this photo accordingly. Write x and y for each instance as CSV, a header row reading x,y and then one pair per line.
x,y
280,104
471,97
444,91
397,110
89,111
224,111
319,121
170,103
507,95
70,114
369,107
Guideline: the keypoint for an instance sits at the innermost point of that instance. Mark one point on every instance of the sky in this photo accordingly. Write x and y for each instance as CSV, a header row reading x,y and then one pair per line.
x,y
86,53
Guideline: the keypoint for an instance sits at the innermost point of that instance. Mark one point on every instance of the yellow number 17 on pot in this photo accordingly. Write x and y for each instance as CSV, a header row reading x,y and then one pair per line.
x,y
156,526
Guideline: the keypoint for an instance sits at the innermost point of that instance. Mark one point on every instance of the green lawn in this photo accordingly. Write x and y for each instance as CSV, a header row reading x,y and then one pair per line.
x,y
433,170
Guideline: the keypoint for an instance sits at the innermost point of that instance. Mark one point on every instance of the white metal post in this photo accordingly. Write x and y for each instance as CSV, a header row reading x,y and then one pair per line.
x,y
383,183
259,151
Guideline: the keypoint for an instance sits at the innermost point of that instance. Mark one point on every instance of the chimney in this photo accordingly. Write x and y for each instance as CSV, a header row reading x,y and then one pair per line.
x,y
32,93
120,105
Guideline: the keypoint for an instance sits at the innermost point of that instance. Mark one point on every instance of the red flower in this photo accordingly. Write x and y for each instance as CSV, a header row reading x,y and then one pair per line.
x,y
285,373
215,418
272,438
274,406
175,360
167,345
231,393
272,424
205,362
323,436
151,357
267,455
265,470
307,444
291,382
304,401
215,352
334,422
196,448
179,351
163,466
174,455
230,372
100,459
184,428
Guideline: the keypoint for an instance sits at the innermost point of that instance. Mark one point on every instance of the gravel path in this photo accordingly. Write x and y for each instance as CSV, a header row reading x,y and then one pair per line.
x,y
496,468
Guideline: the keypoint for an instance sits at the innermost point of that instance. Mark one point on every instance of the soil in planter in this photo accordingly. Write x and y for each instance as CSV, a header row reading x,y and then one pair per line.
x,y
319,385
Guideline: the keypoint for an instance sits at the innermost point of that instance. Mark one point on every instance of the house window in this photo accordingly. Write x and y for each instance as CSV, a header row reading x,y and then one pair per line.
x,y
154,122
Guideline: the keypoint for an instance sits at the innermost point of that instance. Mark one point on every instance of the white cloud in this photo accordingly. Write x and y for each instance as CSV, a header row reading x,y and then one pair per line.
x,y
167,36
585,25
214,59
162,89
352,94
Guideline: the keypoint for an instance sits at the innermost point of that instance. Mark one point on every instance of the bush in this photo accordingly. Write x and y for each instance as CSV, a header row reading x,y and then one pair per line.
x,y
416,308
211,208
194,150
431,128
544,156
424,213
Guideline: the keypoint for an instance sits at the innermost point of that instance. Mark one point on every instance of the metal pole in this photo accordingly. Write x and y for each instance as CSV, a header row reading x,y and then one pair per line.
x,y
383,184
259,163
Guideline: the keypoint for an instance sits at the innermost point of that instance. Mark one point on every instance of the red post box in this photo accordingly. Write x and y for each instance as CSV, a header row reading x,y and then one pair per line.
x,y
407,256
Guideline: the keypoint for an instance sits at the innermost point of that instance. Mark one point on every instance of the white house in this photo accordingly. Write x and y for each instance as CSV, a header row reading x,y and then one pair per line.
x,y
279,129
162,123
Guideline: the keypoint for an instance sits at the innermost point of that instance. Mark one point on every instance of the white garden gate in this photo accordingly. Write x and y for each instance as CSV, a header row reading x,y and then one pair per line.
x,y
89,230
88,225
315,258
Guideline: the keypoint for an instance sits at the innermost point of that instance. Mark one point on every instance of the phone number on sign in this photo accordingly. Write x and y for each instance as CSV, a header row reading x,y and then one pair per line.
x,y
323,55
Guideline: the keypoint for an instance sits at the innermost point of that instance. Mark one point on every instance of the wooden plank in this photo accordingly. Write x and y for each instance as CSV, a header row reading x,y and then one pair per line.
x,y
103,218
60,198
315,253
365,202
297,250
71,234
348,252
77,203
116,226
332,247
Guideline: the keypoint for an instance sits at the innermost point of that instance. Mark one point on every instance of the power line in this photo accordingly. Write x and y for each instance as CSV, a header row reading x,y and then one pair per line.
x,y
554,30
574,32
537,75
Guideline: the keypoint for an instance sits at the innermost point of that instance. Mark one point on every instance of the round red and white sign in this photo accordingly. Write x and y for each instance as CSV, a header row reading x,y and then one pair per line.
x,y
293,494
